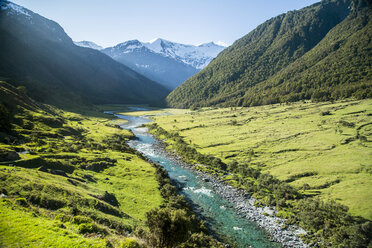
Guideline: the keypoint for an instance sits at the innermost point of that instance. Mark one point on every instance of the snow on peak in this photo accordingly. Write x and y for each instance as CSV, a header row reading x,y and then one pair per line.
x,y
209,44
130,43
196,56
221,43
88,44
129,46
14,8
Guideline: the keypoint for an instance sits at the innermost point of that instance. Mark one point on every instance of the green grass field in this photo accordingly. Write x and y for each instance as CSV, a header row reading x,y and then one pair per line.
x,y
69,180
324,148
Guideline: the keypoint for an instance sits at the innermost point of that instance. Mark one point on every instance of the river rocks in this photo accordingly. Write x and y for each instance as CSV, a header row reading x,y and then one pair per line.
x,y
243,203
278,230
263,217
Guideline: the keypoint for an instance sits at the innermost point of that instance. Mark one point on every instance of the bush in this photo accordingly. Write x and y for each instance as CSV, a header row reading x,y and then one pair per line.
x,y
78,219
62,218
130,243
91,228
200,240
168,227
21,202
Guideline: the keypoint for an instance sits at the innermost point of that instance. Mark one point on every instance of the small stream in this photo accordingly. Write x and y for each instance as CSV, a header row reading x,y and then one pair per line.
x,y
219,215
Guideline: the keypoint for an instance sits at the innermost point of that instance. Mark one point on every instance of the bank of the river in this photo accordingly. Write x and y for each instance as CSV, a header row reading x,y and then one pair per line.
x,y
227,211
243,204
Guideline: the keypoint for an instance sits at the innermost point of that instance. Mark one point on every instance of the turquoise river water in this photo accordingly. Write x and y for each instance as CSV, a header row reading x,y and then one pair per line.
x,y
219,215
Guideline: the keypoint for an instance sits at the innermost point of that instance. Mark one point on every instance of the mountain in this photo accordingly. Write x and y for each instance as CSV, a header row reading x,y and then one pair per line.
x,y
196,56
166,62
88,44
321,52
38,53
165,70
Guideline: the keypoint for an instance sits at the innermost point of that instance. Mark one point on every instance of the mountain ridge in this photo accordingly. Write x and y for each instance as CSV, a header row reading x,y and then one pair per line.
x,y
163,61
244,73
42,57
88,44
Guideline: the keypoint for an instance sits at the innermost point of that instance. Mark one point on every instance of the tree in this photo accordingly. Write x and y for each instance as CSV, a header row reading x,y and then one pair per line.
x,y
168,227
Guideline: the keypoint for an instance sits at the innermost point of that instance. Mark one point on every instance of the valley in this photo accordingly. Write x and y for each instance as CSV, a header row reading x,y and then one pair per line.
x,y
322,148
71,180
186,143
318,151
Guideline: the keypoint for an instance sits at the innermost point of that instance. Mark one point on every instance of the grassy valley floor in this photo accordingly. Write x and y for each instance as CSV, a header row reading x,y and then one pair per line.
x,y
68,180
310,160
322,149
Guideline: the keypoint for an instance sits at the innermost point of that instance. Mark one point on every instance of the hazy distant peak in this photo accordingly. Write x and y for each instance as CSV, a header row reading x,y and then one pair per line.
x,y
88,44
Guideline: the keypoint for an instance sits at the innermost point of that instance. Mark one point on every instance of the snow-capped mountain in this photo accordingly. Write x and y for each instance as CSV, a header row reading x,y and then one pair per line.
x,y
196,56
88,44
166,62
165,70
37,53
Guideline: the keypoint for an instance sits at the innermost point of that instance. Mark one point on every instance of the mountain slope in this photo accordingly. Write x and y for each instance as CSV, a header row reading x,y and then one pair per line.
x,y
166,62
165,70
88,44
39,53
266,65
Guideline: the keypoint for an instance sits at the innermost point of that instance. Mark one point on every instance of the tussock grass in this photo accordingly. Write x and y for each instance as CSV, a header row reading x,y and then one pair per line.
x,y
325,146
56,166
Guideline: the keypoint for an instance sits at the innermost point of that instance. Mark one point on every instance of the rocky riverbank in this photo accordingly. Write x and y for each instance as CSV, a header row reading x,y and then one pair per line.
x,y
264,217
278,230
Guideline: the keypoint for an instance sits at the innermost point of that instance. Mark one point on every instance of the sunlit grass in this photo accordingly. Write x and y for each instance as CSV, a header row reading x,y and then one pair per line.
x,y
330,140
65,141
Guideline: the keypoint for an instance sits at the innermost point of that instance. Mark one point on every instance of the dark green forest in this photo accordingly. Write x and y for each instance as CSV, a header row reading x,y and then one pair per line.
x,y
321,52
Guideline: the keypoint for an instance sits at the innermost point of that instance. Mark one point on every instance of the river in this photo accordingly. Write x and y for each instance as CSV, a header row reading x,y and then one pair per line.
x,y
219,215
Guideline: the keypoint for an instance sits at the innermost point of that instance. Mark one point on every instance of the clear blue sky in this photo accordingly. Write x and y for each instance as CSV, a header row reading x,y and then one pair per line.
x,y
109,22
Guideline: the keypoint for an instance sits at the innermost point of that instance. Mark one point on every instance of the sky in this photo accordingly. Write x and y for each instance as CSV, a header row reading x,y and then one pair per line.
x,y
109,22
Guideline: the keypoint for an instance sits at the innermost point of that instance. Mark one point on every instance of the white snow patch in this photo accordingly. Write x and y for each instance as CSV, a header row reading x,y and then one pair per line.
x,y
221,43
196,56
88,44
19,10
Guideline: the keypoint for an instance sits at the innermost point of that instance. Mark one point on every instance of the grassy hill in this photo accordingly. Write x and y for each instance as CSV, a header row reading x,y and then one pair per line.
x,y
321,52
68,180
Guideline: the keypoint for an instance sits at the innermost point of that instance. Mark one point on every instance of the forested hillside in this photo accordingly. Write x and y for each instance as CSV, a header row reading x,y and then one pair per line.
x,y
321,52
37,53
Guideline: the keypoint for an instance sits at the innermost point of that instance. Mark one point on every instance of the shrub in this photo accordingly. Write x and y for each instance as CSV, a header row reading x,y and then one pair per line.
x,y
62,218
21,202
78,219
201,240
91,228
168,227
325,113
130,243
